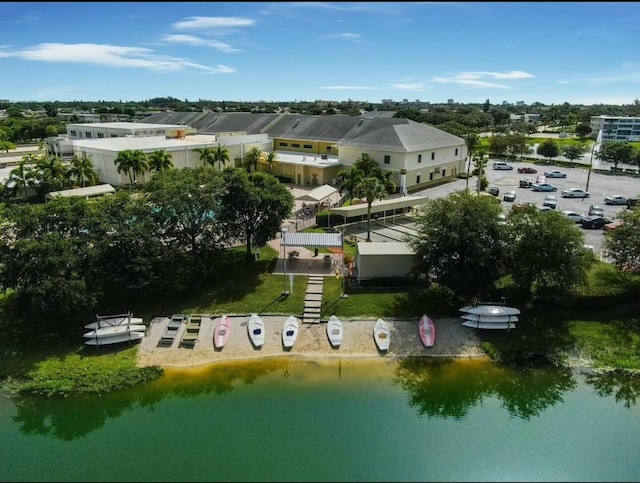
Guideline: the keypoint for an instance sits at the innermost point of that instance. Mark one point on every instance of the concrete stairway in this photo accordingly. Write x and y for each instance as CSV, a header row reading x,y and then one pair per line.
x,y
313,300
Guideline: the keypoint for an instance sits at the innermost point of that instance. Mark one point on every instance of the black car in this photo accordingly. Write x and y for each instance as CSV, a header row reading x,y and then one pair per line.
x,y
631,202
593,222
494,190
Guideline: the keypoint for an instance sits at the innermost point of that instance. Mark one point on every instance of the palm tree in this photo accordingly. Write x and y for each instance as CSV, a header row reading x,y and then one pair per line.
x,y
19,177
160,160
252,158
221,156
81,170
207,155
132,163
369,166
349,180
370,188
389,183
269,159
472,141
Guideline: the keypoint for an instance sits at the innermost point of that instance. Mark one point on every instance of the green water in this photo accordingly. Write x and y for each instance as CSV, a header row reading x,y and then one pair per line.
x,y
285,420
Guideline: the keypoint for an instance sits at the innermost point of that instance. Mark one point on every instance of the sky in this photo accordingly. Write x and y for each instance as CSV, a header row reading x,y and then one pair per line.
x,y
549,52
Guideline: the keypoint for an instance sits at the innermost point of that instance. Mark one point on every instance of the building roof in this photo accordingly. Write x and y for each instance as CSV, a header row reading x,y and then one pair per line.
x,y
101,189
290,239
125,125
302,159
218,122
318,194
378,206
146,143
384,248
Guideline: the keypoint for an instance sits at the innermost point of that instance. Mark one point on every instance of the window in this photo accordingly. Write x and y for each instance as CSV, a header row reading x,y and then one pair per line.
x,y
284,144
444,172
114,135
387,159
73,133
307,146
431,176
433,156
295,145
87,134
456,151
419,158
100,134
418,179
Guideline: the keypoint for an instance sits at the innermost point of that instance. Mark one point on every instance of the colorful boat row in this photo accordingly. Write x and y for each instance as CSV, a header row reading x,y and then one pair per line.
x,y
113,329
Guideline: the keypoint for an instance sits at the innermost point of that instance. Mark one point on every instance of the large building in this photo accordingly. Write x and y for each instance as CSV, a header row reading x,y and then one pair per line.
x,y
616,128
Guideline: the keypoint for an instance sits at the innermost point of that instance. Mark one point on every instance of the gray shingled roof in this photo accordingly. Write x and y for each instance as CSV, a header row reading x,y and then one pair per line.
x,y
216,122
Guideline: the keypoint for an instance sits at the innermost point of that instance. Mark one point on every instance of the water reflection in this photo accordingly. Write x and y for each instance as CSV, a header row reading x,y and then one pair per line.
x,y
449,389
435,387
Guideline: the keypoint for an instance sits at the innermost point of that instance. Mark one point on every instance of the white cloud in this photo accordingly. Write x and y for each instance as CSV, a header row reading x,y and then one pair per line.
x,y
345,36
110,56
199,42
416,86
475,79
199,23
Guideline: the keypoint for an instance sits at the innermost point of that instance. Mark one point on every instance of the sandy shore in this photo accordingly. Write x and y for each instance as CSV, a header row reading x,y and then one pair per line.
x,y
453,340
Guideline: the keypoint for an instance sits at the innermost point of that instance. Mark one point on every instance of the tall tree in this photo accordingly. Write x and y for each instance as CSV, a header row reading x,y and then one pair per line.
x,y
132,163
459,243
221,156
573,152
252,158
616,152
81,170
269,159
623,243
253,207
472,140
371,189
207,155
548,148
160,160
349,180
20,176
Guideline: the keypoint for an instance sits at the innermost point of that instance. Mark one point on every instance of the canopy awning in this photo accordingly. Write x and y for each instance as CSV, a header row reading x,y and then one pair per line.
x,y
379,206
311,240
97,190
318,194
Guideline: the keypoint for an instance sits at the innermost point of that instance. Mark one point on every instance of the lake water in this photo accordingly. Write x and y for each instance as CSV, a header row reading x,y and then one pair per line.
x,y
420,419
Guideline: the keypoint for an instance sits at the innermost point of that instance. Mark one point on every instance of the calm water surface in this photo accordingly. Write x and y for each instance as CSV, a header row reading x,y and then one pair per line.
x,y
286,420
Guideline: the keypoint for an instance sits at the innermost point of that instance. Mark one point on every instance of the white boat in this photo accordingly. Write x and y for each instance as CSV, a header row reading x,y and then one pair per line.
x,y
124,337
489,325
335,331
489,318
382,334
114,330
490,310
255,328
113,320
289,331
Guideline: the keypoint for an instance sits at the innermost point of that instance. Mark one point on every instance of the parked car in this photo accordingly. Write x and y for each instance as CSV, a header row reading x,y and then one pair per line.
x,y
615,200
555,174
493,190
501,165
509,196
526,183
592,222
574,193
550,201
545,208
613,225
573,215
631,202
528,170
595,210
543,187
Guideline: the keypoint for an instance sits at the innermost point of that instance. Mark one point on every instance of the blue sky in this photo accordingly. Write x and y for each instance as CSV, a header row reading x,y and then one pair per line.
x,y
549,52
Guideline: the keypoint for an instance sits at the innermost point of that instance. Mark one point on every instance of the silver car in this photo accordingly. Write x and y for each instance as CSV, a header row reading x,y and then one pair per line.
x,y
615,200
574,193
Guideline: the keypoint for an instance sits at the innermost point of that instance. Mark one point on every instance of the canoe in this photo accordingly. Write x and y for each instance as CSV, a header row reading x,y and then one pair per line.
x,y
489,325
115,330
221,332
289,331
490,310
255,327
124,337
489,318
335,331
382,334
427,330
113,321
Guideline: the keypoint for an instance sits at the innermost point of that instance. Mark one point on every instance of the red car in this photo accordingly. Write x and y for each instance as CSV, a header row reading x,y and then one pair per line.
x,y
527,169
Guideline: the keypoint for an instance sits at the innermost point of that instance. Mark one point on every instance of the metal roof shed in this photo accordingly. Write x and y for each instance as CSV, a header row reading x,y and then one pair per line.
x,y
384,260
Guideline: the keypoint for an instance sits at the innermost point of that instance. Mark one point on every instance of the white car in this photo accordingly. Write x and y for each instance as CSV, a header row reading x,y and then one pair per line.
x,y
555,174
615,200
573,215
574,193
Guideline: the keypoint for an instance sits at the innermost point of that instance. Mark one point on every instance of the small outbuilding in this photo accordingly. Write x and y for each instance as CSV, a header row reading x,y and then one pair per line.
x,y
383,261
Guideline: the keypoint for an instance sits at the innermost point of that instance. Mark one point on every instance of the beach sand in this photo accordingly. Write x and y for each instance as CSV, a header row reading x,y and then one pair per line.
x,y
452,340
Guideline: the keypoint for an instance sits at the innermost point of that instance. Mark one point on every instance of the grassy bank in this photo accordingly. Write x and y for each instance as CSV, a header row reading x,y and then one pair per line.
x,y
601,325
